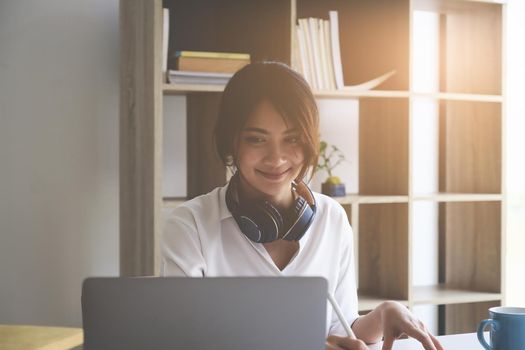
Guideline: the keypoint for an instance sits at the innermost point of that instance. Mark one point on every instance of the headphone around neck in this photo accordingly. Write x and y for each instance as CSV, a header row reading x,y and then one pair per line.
x,y
262,222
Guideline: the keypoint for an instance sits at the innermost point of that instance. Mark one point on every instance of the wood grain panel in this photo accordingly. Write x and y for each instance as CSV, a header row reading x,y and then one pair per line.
x,y
464,318
473,246
383,147
473,61
140,135
383,243
472,158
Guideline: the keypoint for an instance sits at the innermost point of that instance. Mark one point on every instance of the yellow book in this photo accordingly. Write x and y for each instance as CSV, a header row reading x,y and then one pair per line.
x,y
205,54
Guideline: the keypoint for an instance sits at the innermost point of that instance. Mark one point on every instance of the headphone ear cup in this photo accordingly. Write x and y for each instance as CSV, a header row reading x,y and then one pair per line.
x,y
269,219
304,216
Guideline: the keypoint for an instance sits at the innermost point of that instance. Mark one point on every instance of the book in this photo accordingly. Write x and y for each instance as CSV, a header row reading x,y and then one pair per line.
x,y
165,38
303,23
205,78
202,61
303,55
208,54
296,54
329,58
324,56
204,64
316,51
336,51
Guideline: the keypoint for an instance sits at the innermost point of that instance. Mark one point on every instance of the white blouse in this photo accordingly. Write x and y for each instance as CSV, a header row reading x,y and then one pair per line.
x,y
201,239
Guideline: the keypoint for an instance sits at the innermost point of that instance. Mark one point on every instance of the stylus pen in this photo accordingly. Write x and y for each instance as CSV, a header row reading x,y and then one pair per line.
x,y
342,319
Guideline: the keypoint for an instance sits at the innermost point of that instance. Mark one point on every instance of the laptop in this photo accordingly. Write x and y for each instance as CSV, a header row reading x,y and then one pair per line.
x,y
258,313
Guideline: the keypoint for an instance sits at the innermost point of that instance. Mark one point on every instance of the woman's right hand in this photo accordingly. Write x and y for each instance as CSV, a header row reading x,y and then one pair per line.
x,y
334,342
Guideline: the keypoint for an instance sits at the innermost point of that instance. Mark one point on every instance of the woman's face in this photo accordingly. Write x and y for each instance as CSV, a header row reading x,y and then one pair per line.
x,y
269,156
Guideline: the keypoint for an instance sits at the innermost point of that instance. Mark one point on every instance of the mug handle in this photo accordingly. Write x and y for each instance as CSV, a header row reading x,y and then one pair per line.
x,y
481,329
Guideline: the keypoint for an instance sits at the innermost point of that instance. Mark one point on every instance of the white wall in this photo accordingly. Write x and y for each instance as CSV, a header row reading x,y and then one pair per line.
x,y
515,147
58,155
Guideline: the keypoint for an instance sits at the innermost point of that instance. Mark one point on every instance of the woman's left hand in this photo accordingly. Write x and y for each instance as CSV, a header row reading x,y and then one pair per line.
x,y
397,320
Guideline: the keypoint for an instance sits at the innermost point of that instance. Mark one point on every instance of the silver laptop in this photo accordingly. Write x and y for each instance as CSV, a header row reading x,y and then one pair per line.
x,y
258,313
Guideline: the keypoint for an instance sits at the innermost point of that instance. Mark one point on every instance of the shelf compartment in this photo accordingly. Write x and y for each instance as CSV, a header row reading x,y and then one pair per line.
x,y
441,294
383,243
470,246
470,45
384,48
383,146
470,159
249,26
205,169
464,318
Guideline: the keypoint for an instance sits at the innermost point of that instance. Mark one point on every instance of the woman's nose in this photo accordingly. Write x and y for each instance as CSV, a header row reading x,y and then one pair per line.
x,y
275,155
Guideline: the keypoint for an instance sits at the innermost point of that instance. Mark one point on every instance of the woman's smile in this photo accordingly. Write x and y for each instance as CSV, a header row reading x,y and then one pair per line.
x,y
274,176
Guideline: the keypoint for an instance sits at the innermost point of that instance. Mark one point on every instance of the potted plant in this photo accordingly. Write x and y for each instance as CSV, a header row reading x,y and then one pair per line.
x,y
330,157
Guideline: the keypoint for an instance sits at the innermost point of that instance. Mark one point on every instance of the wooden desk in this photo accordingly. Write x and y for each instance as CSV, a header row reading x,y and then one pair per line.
x,y
467,341
14,337
57,338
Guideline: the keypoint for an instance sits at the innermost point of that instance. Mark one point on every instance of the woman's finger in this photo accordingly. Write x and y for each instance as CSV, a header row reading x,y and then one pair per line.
x,y
436,342
330,346
422,336
346,343
388,342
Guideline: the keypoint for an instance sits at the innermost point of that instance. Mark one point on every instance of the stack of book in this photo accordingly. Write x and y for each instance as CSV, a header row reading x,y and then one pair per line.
x,y
319,53
199,67
319,56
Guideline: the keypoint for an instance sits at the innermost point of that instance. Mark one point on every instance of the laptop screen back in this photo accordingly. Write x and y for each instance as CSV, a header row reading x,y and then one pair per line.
x,y
203,313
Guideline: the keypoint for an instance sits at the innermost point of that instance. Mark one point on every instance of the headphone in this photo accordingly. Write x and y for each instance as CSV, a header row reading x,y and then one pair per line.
x,y
262,222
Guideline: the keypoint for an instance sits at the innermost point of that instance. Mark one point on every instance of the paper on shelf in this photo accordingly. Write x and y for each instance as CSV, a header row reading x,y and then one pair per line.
x,y
368,85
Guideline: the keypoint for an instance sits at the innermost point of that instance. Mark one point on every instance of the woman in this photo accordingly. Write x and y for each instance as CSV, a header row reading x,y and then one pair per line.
x,y
266,222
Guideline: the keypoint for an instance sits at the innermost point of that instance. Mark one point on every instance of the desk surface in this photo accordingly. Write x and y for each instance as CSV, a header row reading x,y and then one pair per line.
x,y
58,338
14,337
467,341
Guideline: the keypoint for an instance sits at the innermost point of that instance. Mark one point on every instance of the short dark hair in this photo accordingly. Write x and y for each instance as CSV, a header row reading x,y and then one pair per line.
x,y
285,90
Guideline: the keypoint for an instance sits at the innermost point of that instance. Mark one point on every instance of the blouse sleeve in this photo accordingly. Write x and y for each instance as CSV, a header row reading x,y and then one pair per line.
x,y
346,289
180,246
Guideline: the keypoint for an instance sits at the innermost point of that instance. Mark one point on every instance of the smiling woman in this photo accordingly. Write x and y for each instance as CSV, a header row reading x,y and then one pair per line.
x,y
273,88
269,156
266,221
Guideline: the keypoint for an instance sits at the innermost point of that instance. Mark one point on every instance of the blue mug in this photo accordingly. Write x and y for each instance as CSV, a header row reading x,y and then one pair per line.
x,y
507,329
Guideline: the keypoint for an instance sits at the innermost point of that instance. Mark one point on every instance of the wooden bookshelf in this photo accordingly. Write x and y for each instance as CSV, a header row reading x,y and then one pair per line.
x,y
459,197
363,199
182,89
375,37
442,295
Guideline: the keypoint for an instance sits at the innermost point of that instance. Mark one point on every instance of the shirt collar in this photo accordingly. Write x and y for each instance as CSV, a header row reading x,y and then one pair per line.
x,y
224,212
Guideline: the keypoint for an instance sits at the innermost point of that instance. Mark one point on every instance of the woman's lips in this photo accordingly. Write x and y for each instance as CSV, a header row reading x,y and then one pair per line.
x,y
273,176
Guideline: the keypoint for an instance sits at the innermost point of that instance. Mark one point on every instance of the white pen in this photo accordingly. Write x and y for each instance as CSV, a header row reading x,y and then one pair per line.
x,y
342,319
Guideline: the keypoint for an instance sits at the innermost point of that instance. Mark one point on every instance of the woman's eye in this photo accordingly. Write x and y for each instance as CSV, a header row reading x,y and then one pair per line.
x,y
293,139
254,139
